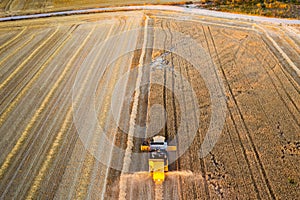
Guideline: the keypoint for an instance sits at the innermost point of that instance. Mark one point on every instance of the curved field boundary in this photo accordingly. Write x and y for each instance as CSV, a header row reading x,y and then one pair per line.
x,y
157,7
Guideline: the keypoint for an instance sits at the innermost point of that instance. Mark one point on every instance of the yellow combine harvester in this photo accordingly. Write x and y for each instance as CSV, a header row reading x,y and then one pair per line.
x,y
158,157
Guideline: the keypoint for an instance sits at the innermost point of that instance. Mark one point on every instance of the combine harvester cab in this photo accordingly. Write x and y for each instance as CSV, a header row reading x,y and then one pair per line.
x,y
158,157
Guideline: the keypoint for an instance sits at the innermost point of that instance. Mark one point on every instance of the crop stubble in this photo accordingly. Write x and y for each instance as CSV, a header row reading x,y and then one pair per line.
x,y
256,154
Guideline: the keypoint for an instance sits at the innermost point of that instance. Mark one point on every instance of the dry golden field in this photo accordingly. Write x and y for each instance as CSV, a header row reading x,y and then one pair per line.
x,y
42,157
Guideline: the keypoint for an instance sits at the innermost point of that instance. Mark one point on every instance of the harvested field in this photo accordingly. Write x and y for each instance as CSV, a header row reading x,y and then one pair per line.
x,y
58,74
19,7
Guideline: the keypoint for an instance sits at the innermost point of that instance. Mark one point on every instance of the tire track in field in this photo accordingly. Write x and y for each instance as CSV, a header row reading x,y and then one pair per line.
x,y
176,126
84,190
270,190
269,70
174,114
94,171
276,79
240,45
227,128
186,70
139,164
178,161
202,163
64,128
83,187
184,95
236,128
250,140
83,154
123,120
278,48
186,92
238,133
180,180
128,151
26,132
287,76
255,56
273,81
283,88
219,80
164,84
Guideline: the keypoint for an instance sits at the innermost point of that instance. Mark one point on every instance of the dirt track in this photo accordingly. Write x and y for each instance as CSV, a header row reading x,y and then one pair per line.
x,y
42,156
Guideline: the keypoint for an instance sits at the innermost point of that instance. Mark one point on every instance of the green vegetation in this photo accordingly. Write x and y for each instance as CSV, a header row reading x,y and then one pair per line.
x,y
270,8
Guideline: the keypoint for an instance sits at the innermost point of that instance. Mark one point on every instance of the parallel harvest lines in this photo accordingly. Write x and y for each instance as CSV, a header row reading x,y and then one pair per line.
x,y
70,137
52,117
22,45
82,188
41,130
12,39
24,91
111,127
13,88
25,133
50,87
57,141
10,77
132,121
83,86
